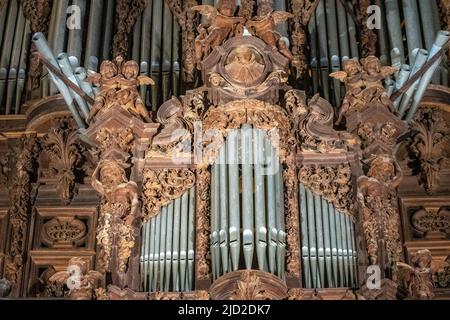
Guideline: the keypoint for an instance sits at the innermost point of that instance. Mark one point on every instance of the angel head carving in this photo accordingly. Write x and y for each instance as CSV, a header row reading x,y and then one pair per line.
x,y
130,70
372,65
227,7
108,70
383,169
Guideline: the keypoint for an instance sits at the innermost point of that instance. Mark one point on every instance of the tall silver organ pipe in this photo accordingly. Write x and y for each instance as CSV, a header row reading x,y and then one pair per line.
x,y
328,244
167,247
247,201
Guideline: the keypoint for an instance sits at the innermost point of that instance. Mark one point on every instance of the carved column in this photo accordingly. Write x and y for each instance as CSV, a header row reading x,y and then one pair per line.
x,y
20,212
38,13
186,18
302,10
127,12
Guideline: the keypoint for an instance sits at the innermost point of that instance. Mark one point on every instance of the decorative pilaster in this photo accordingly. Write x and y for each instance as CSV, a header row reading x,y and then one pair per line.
x,y
20,211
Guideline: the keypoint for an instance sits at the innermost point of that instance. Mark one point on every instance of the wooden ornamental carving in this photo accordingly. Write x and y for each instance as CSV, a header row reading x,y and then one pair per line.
x,y
313,123
417,278
127,12
332,183
80,281
162,186
377,200
431,223
302,11
38,13
203,228
64,151
119,82
363,83
64,232
20,210
429,145
368,37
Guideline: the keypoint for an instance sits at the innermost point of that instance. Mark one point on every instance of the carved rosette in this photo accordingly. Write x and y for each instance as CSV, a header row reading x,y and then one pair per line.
x,y
20,210
162,186
64,152
333,183
203,228
63,232
429,145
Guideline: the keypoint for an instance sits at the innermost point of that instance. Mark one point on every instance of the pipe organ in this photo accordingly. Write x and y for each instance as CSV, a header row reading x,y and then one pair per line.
x,y
247,214
222,149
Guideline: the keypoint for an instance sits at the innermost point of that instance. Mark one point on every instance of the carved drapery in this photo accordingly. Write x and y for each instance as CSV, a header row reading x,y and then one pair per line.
x,y
160,186
38,13
186,18
203,228
20,210
61,144
429,145
127,12
368,37
333,183
302,11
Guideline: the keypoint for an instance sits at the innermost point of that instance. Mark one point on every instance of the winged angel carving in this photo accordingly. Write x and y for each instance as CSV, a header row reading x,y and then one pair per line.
x,y
363,82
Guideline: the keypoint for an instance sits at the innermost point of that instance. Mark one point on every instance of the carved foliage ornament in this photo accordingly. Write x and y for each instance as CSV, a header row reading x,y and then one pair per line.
x,y
249,287
19,212
203,226
334,184
110,139
64,152
162,186
430,142
368,36
431,223
302,10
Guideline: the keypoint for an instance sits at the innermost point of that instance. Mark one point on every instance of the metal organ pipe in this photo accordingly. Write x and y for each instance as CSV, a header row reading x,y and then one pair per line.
x,y
74,47
233,197
92,51
328,244
395,31
412,25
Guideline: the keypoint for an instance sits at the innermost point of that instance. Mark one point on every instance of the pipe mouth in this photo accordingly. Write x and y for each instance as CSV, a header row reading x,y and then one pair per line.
x,y
38,36
442,37
62,56
406,67
422,52
80,71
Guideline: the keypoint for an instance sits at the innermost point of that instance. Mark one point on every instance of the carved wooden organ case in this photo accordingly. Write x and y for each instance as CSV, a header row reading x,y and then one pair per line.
x,y
240,189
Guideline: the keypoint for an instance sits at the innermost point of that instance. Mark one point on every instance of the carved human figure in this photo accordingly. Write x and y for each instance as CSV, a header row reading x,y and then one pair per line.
x,y
243,66
202,47
377,200
119,214
119,82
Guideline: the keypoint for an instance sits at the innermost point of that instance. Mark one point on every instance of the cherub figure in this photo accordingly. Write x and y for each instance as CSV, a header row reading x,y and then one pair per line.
x,y
417,279
354,85
223,22
264,26
119,84
78,279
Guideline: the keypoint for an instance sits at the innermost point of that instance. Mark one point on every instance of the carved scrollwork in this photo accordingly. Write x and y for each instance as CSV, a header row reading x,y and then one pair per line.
x,y
314,125
110,139
64,152
249,287
64,232
162,186
429,145
332,183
